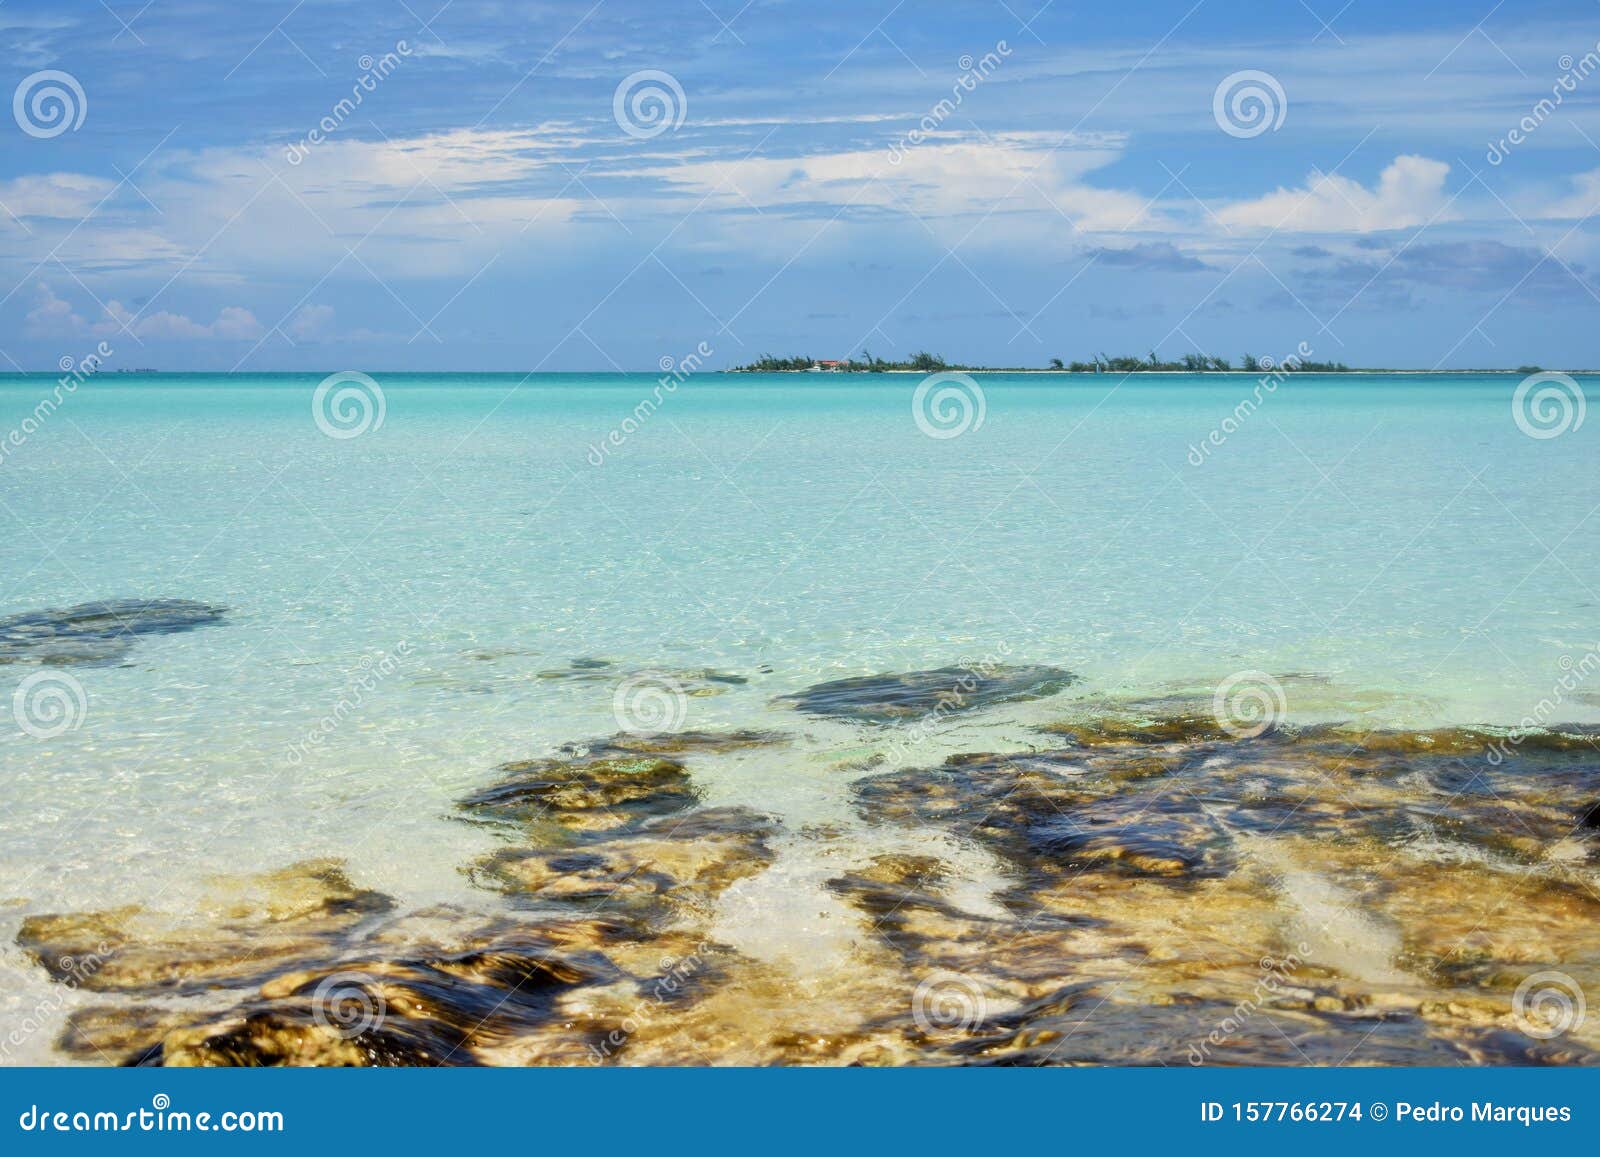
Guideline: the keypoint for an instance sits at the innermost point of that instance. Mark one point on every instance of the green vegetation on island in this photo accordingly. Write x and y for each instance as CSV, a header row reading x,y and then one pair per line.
x,y
926,363
920,362
1197,364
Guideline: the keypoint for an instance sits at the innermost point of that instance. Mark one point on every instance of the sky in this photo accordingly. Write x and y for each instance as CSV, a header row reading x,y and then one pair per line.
x,y
607,184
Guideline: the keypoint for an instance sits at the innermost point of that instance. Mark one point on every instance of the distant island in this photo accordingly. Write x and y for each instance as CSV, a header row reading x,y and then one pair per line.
x,y
926,363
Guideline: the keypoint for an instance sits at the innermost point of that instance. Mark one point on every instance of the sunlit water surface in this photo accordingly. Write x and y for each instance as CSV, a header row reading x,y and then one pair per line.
x,y
1393,550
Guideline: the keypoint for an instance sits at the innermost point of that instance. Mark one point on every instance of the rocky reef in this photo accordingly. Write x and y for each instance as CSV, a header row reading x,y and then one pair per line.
x,y
1138,887
95,634
911,695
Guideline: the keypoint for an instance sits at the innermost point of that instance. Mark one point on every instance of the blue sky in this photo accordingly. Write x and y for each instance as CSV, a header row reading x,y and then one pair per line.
x,y
485,206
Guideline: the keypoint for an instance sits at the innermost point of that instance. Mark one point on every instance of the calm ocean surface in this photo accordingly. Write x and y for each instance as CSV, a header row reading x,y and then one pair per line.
x,y
1393,550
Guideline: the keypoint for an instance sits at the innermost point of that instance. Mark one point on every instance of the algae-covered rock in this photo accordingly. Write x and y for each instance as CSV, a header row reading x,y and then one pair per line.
x,y
897,698
426,1010
589,792
674,861
251,928
97,633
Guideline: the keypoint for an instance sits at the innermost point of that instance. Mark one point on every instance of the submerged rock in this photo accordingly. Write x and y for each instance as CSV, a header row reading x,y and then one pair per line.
x,y
97,633
584,670
1154,893
1103,729
676,743
430,1009
897,698
253,929
606,784
588,792
1326,897
696,682
664,866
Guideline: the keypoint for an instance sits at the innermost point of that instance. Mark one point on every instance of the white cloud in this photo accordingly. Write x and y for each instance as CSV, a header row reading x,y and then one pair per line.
x,y
234,323
62,195
1582,201
52,316
310,323
948,175
1409,192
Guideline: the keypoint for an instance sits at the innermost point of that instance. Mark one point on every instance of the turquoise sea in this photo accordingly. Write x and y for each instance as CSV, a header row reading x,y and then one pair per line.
x,y
475,578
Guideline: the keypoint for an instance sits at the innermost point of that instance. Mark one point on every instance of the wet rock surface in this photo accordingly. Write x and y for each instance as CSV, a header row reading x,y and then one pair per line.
x,y
1327,898
254,928
661,868
589,792
97,633
1160,893
610,922
696,682
897,698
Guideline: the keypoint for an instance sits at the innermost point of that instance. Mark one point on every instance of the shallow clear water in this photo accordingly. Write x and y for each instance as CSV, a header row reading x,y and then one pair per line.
x,y
1396,550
